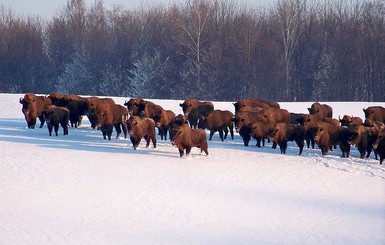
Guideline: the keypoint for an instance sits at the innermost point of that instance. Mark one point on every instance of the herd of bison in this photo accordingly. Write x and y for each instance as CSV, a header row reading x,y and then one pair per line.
x,y
253,118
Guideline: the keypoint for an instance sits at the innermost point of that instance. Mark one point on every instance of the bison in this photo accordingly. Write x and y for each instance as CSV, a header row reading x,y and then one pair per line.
x,y
76,104
254,103
282,133
110,116
92,103
274,115
321,110
258,130
327,135
195,110
55,116
163,121
184,138
32,108
379,146
346,120
148,109
220,121
132,106
139,128
362,138
309,122
375,113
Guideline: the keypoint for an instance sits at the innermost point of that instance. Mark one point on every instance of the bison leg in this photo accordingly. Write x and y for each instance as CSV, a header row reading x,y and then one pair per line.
x,y
212,132
124,128
181,152
56,129
231,132
49,129
42,120
258,142
226,130
283,146
188,150
381,159
221,134
300,144
118,130
153,138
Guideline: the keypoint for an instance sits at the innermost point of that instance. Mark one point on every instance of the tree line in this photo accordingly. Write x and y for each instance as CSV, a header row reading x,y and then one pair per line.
x,y
295,50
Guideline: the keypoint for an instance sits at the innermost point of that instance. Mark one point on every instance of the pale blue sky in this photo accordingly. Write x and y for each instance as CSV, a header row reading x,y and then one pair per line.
x,y
48,8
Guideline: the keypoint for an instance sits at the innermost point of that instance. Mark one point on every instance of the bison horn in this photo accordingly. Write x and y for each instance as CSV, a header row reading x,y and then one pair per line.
x,y
20,100
339,117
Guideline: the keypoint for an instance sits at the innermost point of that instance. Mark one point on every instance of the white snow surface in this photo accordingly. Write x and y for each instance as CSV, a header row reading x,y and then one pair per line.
x,y
81,189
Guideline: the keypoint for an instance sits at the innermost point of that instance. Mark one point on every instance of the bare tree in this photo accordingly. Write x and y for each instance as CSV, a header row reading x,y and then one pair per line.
x,y
291,18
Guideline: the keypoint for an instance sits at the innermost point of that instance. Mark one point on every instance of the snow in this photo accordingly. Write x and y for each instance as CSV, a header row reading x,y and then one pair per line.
x,y
81,189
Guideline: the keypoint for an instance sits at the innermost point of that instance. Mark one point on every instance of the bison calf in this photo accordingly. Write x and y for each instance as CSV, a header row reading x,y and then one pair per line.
x,y
327,135
184,138
139,128
55,115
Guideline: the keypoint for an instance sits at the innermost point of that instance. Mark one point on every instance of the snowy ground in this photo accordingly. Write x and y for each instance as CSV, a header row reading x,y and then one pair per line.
x,y
81,189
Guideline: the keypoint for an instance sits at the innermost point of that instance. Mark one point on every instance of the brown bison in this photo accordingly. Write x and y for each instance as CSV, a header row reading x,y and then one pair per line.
x,y
258,130
321,110
362,138
139,128
274,115
327,135
110,116
347,120
184,138
282,133
92,103
375,113
218,121
245,118
195,110
76,104
309,122
132,106
254,103
148,109
32,108
55,116
163,121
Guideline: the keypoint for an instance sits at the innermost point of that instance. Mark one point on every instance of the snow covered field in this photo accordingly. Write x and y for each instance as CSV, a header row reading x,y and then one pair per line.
x,y
81,189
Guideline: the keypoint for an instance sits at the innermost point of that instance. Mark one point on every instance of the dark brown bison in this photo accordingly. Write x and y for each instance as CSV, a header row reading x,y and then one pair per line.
x,y
282,133
110,116
55,116
32,108
258,130
379,146
346,120
327,135
254,103
185,138
362,138
195,110
148,109
139,128
132,106
321,110
218,121
163,121
179,120
375,113
76,104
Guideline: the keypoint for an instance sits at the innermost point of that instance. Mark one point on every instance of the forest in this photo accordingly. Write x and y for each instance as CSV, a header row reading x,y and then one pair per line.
x,y
294,50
